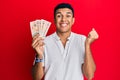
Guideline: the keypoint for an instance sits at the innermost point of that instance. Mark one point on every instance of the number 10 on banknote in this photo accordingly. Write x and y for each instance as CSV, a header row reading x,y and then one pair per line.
x,y
39,27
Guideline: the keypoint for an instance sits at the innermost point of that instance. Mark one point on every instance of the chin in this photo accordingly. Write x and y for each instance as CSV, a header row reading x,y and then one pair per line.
x,y
63,31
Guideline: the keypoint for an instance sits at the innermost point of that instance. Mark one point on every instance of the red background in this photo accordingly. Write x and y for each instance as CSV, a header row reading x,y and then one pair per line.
x,y
17,55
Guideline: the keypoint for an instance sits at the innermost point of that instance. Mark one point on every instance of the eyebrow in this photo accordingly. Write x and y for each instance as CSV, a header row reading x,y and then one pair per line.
x,y
66,12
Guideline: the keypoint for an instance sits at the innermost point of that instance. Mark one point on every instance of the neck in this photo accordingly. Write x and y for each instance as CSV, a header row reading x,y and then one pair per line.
x,y
63,36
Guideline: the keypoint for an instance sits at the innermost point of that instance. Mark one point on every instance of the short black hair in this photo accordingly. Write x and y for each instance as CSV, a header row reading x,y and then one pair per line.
x,y
63,5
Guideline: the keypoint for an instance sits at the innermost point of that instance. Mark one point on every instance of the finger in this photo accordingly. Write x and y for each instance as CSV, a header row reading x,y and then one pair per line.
x,y
36,36
94,34
40,42
35,45
91,34
37,39
93,29
38,45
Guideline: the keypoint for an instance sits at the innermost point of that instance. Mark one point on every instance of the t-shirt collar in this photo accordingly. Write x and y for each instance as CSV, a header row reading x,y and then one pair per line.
x,y
58,38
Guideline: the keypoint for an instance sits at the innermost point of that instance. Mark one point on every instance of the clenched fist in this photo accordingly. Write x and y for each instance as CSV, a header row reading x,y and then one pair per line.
x,y
92,36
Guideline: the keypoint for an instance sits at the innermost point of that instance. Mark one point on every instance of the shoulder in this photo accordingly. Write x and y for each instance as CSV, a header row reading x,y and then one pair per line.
x,y
49,38
79,39
79,36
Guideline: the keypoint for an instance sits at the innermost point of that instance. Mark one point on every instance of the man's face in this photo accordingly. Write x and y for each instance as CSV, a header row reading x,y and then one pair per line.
x,y
64,20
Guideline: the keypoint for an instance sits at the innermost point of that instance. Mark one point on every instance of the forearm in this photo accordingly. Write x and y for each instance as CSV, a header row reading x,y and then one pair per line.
x,y
37,44
38,71
89,66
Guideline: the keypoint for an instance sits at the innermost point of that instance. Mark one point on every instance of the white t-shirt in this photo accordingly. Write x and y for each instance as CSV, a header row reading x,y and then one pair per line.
x,y
64,63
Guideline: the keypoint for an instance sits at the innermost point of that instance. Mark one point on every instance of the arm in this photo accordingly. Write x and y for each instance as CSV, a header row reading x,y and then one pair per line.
x,y
89,66
38,70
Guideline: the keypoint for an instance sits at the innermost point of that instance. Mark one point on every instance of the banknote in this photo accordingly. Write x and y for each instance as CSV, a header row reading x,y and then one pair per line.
x,y
34,28
44,27
40,26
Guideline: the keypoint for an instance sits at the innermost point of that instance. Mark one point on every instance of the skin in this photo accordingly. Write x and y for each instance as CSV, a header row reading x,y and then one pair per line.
x,y
64,20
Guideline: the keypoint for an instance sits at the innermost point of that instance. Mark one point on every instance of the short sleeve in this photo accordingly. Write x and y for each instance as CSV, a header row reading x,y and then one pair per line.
x,y
83,47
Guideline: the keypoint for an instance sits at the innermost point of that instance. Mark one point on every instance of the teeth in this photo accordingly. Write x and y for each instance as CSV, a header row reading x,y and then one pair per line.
x,y
64,24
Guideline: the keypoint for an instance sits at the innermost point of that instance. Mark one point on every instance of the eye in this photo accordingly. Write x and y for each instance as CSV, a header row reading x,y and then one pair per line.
x,y
58,16
68,16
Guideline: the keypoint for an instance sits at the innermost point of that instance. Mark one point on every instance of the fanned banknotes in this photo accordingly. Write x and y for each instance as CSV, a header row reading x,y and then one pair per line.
x,y
39,27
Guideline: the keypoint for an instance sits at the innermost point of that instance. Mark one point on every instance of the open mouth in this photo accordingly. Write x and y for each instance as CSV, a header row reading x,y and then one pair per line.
x,y
63,24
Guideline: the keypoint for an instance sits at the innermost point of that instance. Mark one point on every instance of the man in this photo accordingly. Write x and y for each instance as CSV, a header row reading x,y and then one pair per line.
x,y
64,55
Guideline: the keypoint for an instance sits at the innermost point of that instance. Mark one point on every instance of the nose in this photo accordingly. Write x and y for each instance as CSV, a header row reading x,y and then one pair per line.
x,y
63,18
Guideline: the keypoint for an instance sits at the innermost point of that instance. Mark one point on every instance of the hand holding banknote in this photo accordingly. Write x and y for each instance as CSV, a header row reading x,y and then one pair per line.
x,y
38,44
39,29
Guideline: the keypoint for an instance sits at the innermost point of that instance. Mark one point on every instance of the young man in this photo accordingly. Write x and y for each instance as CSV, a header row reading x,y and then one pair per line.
x,y
64,55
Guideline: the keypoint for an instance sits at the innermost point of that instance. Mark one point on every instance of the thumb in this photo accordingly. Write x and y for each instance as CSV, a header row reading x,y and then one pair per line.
x,y
93,29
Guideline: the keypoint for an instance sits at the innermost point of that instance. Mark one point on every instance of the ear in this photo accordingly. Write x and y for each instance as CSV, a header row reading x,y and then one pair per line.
x,y
73,20
54,20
